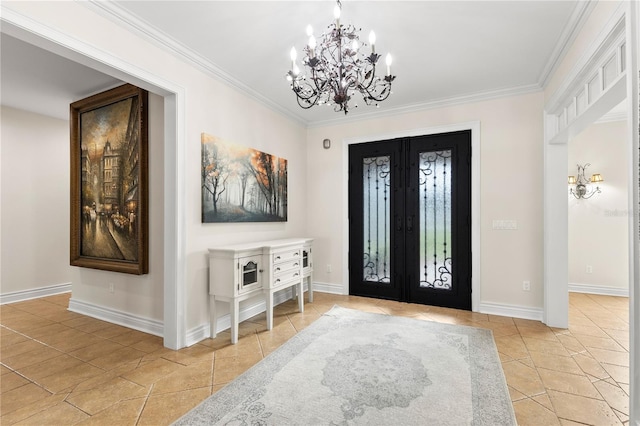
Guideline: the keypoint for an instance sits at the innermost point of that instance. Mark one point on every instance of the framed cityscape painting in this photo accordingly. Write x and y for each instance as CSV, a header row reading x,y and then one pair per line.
x,y
109,181
241,184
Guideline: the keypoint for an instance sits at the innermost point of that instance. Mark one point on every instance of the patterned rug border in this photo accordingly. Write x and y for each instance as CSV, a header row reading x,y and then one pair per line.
x,y
485,368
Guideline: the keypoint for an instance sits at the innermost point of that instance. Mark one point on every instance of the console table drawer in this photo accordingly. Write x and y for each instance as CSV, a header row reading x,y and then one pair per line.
x,y
286,277
280,268
286,256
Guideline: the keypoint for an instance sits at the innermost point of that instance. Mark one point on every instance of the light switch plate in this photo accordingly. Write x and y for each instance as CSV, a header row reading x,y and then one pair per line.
x,y
508,225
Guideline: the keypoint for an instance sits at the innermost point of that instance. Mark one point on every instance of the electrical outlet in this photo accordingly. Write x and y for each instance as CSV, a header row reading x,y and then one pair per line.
x,y
526,285
329,269
112,288
589,269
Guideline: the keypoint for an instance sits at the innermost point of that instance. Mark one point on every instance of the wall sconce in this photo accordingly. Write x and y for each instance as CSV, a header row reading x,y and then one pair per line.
x,y
580,187
326,144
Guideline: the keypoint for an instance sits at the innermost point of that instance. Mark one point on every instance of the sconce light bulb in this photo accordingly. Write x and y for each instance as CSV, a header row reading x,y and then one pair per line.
x,y
309,30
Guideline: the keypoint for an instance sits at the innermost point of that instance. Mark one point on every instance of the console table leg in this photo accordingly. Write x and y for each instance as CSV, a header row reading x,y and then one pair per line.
x,y
301,295
213,314
234,320
269,300
310,288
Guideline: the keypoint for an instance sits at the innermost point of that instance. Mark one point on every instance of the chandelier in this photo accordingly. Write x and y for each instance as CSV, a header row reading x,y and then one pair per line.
x,y
337,69
580,187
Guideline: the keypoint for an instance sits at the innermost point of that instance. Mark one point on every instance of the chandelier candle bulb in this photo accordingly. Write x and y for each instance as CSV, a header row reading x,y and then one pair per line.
x,y
388,61
293,55
312,46
372,41
336,14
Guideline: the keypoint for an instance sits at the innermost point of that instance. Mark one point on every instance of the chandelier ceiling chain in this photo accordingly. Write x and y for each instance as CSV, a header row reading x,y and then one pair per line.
x,y
337,69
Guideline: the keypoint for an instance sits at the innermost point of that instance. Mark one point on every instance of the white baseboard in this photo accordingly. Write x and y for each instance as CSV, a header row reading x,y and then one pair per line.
x,y
34,293
115,316
511,311
328,288
598,289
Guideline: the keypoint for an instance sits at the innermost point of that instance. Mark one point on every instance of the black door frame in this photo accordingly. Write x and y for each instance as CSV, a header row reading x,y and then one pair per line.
x,y
397,162
474,126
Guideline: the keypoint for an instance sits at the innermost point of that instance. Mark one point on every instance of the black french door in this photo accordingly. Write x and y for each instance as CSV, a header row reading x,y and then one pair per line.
x,y
410,219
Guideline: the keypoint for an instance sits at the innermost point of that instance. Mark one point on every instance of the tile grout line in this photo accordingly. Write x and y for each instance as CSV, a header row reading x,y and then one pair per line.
x,y
146,399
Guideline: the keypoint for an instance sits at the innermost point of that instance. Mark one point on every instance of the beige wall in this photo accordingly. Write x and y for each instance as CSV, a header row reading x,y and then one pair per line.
x,y
34,201
210,106
511,188
511,168
599,226
35,219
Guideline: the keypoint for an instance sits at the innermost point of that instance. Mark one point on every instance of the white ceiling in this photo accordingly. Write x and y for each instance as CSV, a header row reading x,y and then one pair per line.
x,y
442,50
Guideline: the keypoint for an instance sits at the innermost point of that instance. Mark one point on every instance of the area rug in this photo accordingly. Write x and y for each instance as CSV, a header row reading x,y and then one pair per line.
x,y
357,368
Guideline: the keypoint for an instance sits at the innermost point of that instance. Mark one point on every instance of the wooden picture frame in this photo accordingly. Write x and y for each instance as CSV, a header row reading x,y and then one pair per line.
x,y
109,181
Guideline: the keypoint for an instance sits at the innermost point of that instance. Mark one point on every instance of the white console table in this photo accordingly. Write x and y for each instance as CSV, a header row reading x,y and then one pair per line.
x,y
241,271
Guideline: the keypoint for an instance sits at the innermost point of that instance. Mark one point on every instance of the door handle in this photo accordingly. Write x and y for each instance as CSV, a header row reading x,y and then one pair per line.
x,y
399,224
409,223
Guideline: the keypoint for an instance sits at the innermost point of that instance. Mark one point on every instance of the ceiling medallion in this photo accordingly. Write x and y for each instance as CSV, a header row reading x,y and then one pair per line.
x,y
336,69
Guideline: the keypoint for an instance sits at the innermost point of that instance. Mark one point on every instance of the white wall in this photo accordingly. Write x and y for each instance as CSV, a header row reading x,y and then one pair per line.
x,y
34,201
511,188
35,207
209,106
137,295
599,226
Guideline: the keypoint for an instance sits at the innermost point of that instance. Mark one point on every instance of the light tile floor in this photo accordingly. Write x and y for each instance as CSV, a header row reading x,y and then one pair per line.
x,y
62,368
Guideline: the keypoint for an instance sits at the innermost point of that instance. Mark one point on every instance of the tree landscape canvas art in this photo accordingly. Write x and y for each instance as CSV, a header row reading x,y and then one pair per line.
x,y
241,184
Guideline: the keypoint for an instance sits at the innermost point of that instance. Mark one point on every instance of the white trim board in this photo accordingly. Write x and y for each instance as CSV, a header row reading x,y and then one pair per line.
x,y
330,288
513,311
598,289
125,319
34,293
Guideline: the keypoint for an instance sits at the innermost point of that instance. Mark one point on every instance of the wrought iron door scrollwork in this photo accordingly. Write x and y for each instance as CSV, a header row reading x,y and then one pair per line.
x,y
435,219
377,238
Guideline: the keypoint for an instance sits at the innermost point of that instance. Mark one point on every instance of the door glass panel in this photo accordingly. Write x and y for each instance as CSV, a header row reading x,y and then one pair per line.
x,y
435,219
376,205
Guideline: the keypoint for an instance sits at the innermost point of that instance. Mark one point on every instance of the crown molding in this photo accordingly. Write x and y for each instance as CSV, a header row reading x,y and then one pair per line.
x,y
434,104
580,14
119,15
612,31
